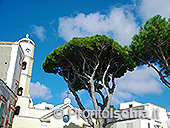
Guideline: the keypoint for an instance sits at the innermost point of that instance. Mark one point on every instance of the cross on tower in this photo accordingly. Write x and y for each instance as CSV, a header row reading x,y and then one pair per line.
x,y
67,94
27,36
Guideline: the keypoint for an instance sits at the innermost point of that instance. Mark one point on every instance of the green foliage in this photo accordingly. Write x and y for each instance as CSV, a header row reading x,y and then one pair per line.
x,y
72,125
151,45
112,106
84,52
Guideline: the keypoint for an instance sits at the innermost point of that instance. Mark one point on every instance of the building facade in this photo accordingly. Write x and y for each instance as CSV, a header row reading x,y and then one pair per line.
x,y
7,105
42,116
168,113
157,117
11,59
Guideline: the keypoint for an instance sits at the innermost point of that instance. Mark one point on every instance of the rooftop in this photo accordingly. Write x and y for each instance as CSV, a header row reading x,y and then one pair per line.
x,y
4,42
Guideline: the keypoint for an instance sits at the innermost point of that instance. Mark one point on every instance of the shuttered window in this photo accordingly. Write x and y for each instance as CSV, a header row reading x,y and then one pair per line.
x,y
1,112
11,117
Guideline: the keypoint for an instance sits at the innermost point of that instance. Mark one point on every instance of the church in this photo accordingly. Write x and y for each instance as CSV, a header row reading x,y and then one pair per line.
x,y
17,109
28,115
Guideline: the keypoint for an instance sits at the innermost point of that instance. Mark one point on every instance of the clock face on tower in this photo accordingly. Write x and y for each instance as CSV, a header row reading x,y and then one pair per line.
x,y
28,51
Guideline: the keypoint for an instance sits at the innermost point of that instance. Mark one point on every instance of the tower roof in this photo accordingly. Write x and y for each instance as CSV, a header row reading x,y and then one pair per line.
x,y
26,39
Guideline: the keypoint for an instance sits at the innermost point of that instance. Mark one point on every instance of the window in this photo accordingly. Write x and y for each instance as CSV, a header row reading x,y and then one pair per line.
x,y
1,113
20,60
11,117
130,105
16,87
129,125
24,65
47,108
20,89
17,110
156,126
149,125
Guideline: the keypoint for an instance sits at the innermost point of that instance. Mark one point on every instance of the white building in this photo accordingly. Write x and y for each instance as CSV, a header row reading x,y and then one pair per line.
x,y
156,118
10,62
10,71
42,116
168,113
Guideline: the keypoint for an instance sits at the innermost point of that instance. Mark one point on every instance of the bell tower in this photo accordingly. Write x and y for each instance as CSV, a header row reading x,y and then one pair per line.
x,y
28,47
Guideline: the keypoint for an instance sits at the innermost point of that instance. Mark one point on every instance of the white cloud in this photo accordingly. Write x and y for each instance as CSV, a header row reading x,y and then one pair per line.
x,y
52,23
39,31
119,24
64,95
88,104
119,96
142,81
149,8
138,83
125,95
38,90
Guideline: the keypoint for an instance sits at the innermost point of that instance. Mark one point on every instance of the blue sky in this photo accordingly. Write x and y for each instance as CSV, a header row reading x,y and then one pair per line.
x,y
52,23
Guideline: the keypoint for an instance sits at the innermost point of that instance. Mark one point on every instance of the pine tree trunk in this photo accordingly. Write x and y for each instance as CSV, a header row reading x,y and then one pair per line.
x,y
102,123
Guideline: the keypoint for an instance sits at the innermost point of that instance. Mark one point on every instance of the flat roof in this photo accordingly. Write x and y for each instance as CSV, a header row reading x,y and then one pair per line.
x,y
4,42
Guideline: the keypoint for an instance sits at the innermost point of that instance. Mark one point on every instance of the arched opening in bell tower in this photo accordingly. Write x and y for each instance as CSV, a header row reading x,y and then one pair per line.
x,y
20,90
24,64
